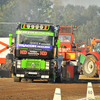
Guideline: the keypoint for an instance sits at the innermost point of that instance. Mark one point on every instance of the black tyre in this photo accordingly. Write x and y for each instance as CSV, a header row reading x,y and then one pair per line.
x,y
17,79
32,80
59,78
90,69
51,80
76,73
24,79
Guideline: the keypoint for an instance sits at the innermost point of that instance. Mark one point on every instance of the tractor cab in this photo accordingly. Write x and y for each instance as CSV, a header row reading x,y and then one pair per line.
x,y
66,41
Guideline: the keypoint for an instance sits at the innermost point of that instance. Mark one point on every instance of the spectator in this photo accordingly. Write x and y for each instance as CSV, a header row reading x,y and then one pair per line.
x,y
66,39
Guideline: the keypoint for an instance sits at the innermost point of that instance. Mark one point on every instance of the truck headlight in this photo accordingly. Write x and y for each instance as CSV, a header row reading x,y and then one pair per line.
x,y
28,26
14,63
32,26
19,66
41,26
47,65
18,61
37,26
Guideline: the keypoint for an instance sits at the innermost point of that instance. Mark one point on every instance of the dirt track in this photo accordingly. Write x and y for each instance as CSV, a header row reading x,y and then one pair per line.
x,y
26,90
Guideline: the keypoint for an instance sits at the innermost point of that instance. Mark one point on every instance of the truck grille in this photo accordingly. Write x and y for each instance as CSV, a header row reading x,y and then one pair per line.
x,y
33,64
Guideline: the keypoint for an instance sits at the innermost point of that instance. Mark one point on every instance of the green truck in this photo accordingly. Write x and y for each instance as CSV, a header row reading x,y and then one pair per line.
x,y
36,52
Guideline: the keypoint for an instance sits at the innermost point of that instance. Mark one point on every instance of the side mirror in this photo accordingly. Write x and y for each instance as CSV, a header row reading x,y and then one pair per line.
x,y
56,30
7,47
58,43
10,39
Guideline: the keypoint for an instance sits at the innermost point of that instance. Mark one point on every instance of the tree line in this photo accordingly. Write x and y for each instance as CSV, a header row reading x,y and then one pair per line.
x,y
87,19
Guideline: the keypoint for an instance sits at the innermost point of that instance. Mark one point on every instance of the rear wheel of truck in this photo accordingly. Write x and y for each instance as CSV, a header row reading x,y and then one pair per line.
x,y
32,80
90,69
51,80
59,79
17,79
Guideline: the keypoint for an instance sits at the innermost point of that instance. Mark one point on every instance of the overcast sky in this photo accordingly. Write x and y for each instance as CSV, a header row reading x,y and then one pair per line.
x,y
85,3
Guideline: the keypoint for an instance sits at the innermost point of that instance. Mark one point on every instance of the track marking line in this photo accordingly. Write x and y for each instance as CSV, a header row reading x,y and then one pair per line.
x,y
57,94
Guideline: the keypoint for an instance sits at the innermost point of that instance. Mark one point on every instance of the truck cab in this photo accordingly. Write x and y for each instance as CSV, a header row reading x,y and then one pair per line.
x,y
36,47
67,42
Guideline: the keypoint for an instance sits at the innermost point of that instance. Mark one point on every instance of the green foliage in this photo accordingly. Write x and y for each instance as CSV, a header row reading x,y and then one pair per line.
x,y
88,20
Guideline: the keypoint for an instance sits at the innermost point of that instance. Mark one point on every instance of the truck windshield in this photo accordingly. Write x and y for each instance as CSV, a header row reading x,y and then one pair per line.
x,y
98,47
65,38
33,39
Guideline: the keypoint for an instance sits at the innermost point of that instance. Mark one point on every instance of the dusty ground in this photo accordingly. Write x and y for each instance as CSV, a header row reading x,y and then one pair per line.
x,y
26,90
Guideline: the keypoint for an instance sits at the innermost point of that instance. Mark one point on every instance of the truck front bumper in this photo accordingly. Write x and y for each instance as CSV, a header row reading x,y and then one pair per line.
x,y
33,73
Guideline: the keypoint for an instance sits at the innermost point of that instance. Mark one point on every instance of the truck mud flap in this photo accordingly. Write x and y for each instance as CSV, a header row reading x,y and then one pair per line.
x,y
5,73
76,74
64,72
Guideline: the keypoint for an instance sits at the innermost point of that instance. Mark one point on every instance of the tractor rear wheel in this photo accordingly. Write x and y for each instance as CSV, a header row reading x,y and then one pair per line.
x,y
90,69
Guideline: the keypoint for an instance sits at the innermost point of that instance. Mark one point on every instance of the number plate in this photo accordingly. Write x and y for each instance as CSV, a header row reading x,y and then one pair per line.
x,y
32,73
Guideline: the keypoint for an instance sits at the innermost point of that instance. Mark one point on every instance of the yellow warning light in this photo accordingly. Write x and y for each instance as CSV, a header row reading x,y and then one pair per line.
x,y
37,26
45,27
24,26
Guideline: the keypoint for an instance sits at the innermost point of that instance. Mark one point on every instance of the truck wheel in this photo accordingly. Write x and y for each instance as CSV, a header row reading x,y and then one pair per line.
x,y
90,69
51,80
59,78
17,79
32,80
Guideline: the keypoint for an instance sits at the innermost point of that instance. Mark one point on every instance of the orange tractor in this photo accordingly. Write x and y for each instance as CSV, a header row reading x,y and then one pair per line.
x,y
90,58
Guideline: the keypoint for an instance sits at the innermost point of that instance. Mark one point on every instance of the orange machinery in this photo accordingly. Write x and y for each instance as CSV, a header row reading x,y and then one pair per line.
x,y
90,65
67,49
